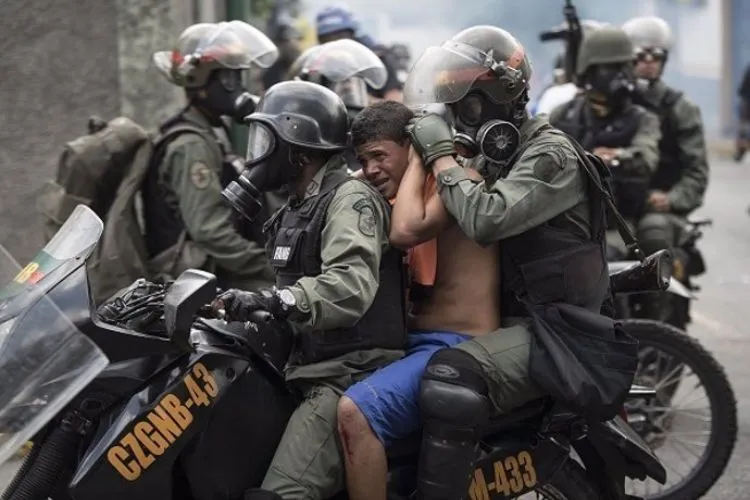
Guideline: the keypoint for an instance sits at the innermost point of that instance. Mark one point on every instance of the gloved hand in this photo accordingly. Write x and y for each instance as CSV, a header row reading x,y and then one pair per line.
x,y
431,137
238,305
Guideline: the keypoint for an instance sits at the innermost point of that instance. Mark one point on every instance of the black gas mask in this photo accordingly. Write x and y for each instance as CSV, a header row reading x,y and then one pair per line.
x,y
272,164
612,83
225,95
486,128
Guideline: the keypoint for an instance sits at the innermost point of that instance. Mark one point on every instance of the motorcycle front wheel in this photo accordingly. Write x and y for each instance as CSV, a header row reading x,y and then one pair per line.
x,y
676,365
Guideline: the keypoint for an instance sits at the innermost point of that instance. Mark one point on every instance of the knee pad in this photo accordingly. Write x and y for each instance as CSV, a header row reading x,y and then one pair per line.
x,y
454,390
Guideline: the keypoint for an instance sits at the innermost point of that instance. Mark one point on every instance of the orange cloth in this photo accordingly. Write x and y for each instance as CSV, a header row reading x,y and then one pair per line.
x,y
422,258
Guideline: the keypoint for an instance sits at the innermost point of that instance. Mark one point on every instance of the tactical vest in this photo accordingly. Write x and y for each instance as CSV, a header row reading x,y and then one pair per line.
x,y
669,171
294,246
630,189
555,262
163,225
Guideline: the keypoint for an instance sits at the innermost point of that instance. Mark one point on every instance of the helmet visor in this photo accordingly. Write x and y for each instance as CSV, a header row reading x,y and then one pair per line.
x,y
353,91
343,59
447,73
261,141
237,45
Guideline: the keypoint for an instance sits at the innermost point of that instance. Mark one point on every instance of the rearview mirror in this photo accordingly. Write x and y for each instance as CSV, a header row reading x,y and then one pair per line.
x,y
651,275
192,290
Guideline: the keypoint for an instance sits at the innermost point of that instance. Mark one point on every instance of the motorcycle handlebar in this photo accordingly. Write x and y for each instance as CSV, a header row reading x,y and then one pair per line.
x,y
209,312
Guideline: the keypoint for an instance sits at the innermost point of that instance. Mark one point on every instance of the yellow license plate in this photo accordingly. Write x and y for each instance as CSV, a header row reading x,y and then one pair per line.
x,y
509,477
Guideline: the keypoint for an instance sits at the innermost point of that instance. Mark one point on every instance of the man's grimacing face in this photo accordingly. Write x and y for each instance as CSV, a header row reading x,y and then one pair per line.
x,y
384,163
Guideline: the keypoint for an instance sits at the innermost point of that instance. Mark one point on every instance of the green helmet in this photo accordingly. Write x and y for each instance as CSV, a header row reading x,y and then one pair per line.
x,y
206,47
649,33
605,45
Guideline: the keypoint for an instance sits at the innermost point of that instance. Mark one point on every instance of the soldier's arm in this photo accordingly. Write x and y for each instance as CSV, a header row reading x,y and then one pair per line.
x,y
416,218
352,243
642,156
543,183
193,176
687,194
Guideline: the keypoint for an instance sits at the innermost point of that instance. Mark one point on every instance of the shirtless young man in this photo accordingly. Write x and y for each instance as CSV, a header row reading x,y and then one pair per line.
x,y
464,302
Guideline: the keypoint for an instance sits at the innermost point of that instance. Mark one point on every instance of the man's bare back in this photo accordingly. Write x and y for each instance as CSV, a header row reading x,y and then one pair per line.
x,y
466,295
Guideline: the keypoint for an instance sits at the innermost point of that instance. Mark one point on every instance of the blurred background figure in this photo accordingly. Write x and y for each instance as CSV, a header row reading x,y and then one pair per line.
x,y
562,89
401,58
282,30
337,22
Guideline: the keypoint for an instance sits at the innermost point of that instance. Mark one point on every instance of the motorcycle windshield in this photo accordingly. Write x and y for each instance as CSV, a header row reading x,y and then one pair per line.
x,y
44,359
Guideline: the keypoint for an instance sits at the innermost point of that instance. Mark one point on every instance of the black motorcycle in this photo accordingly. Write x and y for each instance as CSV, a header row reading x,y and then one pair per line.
x,y
695,441
188,407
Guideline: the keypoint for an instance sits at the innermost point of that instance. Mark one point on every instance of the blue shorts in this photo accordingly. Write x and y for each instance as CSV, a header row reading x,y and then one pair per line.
x,y
389,398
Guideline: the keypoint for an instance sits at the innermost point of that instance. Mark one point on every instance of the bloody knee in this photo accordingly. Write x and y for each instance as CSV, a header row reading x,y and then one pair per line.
x,y
352,424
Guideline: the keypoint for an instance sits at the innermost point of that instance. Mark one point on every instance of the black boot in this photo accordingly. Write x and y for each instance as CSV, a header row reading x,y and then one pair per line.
x,y
258,494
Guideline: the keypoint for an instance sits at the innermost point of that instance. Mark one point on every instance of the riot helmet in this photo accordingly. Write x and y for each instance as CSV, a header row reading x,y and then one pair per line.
x,y
345,66
294,122
482,74
559,73
652,40
208,60
605,67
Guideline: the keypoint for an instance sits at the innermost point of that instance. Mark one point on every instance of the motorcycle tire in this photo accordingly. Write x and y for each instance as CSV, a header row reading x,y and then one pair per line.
x,y
677,343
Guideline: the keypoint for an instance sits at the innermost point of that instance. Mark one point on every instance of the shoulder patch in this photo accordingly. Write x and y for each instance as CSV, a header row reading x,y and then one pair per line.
x,y
200,175
367,222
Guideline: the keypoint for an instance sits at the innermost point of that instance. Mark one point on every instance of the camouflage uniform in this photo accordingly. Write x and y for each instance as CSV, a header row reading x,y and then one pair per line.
x,y
308,462
683,125
683,169
188,223
190,177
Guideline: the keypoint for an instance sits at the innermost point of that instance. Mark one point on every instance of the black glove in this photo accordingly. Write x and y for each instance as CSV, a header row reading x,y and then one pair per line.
x,y
238,305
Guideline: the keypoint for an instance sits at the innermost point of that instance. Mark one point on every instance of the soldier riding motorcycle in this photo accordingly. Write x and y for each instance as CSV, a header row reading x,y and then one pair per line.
x,y
679,184
147,399
604,120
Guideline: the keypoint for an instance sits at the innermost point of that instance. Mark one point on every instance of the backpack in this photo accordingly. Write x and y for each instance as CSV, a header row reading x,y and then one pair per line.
x,y
105,170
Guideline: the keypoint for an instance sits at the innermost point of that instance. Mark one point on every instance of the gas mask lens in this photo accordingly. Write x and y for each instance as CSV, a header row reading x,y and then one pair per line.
x,y
469,110
261,142
353,91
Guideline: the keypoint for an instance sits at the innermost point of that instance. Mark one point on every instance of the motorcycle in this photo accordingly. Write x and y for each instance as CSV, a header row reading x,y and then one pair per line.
x,y
152,398
668,359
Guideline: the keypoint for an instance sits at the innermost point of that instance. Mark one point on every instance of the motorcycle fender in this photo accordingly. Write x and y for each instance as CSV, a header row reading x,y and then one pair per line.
x,y
640,460
679,289
518,465
134,455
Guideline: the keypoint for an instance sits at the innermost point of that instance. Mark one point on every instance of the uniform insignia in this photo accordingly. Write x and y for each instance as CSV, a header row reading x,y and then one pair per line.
x,y
281,254
367,222
200,175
